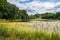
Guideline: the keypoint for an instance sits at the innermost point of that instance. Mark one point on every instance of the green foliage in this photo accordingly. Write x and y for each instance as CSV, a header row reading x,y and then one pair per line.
x,y
0,15
11,12
51,15
55,36
48,16
58,15
7,33
3,31
24,15
31,17
37,15
58,18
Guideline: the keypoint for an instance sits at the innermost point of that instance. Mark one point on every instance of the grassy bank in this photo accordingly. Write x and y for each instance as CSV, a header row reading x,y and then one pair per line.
x,y
12,33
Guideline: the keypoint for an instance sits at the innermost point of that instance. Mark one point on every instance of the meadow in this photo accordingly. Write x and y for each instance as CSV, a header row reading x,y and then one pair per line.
x,y
33,30
17,24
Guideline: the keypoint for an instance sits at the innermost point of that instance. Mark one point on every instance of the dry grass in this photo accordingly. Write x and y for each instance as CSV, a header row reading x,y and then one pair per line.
x,y
27,31
19,25
33,26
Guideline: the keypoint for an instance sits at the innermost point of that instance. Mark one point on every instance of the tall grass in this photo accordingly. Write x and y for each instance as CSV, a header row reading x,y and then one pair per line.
x,y
7,33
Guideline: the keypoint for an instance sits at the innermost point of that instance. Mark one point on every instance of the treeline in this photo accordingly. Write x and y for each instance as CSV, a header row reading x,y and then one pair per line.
x,y
34,16
11,12
55,16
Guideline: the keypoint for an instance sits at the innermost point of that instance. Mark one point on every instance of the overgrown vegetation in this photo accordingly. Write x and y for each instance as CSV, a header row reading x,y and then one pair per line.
x,y
7,33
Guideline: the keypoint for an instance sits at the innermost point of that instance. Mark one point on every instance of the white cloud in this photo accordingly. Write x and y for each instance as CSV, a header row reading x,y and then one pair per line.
x,y
36,6
18,0
22,0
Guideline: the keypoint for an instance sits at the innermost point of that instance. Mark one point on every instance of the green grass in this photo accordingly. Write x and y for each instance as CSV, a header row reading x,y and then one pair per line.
x,y
7,33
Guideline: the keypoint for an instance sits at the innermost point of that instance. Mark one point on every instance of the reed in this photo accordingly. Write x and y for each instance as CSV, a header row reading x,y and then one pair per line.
x,y
13,33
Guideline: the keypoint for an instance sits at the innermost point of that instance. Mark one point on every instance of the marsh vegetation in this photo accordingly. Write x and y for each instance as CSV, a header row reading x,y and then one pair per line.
x,y
16,24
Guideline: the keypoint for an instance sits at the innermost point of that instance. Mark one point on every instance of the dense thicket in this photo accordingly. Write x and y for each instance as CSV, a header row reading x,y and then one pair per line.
x,y
11,12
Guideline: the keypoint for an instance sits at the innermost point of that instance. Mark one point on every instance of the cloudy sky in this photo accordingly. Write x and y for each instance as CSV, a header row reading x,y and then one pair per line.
x,y
37,6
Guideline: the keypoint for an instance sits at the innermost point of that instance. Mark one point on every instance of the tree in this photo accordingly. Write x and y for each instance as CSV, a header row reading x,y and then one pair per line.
x,y
57,14
11,12
0,15
24,15
58,18
31,17
37,15
48,16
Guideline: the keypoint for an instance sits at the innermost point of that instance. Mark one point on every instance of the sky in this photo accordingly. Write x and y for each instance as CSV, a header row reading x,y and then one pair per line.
x,y
37,6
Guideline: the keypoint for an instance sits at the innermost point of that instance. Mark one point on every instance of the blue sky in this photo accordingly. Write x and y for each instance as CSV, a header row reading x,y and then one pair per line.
x,y
37,6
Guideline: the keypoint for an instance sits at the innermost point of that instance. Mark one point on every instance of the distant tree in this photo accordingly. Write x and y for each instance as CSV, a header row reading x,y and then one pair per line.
x,y
24,15
0,15
48,16
37,15
31,17
57,14
58,18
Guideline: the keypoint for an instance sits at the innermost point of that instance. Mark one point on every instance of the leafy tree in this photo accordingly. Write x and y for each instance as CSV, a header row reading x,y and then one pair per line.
x,y
31,17
0,15
11,12
58,18
49,16
24,15
37,15
57,14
